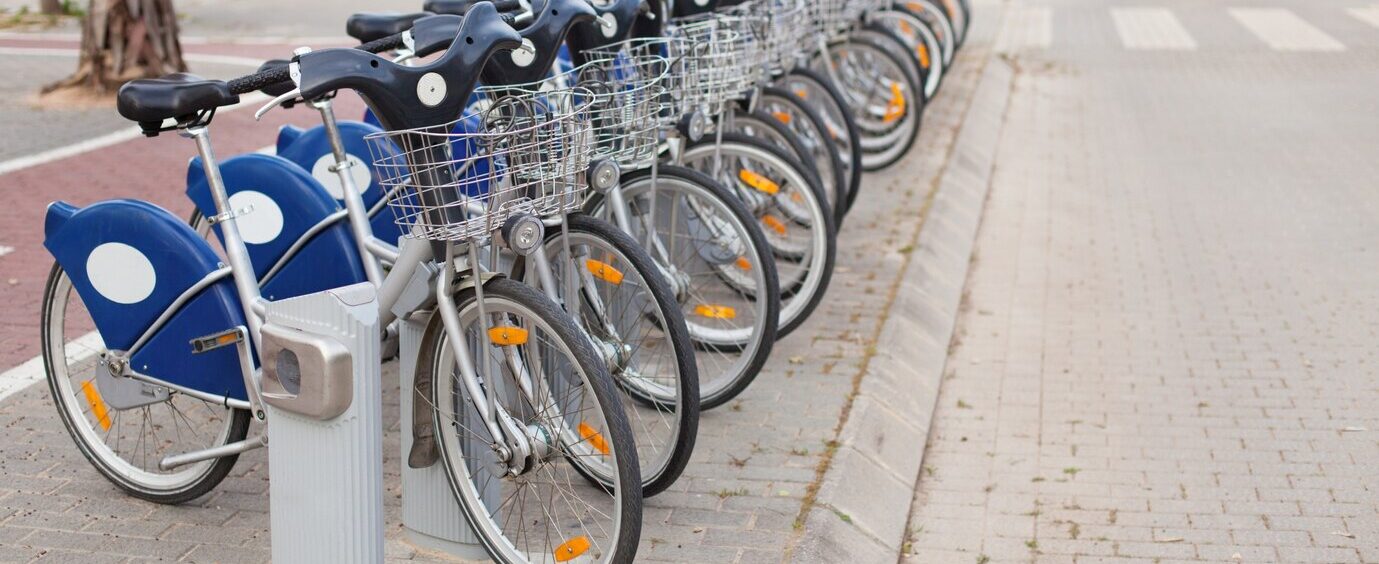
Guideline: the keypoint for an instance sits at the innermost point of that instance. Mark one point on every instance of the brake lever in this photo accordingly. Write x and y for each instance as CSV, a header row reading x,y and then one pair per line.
x,y
280,100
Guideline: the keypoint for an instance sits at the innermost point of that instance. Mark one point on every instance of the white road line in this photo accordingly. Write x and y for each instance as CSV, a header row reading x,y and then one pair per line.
x,y
1368,15
1025,28
122,135
1283,30
16,379
1151,29
5,250
200,39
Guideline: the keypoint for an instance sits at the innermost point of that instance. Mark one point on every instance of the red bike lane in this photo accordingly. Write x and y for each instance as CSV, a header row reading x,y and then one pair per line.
x,y
151,169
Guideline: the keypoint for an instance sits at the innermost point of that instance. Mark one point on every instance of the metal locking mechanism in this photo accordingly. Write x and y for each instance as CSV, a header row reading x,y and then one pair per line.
x,y
304,373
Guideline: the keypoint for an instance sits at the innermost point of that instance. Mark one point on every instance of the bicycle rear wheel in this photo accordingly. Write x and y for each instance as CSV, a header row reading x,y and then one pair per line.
x,y
538,368
818,93
878,93
125,444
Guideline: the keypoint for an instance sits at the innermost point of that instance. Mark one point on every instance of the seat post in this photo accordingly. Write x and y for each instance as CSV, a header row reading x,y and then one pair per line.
x,y
246,282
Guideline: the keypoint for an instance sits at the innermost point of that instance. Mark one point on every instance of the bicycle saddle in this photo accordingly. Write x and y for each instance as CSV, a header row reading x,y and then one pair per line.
x,y
149,101
370,26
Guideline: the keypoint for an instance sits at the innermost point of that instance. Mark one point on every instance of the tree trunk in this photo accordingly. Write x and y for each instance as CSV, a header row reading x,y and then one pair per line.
x,y
50,7
122,40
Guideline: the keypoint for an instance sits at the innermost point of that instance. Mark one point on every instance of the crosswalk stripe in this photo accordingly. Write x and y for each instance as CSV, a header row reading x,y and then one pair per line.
x,y
1368,15
1025,28
1283,30
1151,29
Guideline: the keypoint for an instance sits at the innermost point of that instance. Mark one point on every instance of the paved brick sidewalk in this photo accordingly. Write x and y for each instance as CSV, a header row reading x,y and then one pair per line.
x,y
737,502
1168,345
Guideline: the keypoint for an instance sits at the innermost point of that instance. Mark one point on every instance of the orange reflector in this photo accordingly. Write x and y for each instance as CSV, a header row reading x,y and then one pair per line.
x,y
715,312
799,198
759,182
833,132
595,439
604,271
905,27
743,263
923,53
507,335
774,223
781,117
896,107
802,93
93,398
915,6
571,549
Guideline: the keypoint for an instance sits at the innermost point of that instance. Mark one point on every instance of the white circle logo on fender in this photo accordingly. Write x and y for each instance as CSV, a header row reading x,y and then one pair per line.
x,y
524,56
263,223
331,181
431,89
610,25
120,273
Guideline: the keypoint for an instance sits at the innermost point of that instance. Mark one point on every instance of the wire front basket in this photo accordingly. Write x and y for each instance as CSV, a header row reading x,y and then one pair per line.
x,y
724,57
784,40
833,17
629,93
514,151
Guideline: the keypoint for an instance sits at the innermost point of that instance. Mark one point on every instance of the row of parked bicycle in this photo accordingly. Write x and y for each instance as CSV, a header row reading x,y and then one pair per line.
x,y
604,213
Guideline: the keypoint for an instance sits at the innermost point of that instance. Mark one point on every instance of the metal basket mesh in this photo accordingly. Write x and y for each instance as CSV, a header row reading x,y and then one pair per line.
x,y
629,93
724,59
784,38
514,151
832,17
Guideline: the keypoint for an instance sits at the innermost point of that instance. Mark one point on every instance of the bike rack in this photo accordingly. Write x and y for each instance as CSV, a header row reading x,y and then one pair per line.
x,y
322,389
431,517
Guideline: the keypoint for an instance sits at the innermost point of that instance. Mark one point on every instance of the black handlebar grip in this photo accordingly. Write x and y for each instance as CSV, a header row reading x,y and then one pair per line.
x,y
459,7
380,45
260,80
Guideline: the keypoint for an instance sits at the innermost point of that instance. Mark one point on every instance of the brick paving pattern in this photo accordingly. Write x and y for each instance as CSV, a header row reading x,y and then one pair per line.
x,y
1167,351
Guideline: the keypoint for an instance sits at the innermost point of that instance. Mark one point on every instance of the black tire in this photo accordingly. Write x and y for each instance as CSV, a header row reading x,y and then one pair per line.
x,y
677,335
598,381
852,166
825,269
771,296
838,179
238,424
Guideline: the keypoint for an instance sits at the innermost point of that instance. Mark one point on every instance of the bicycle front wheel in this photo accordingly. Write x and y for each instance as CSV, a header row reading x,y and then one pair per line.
x,y
540,381
629,312
789,205
720,267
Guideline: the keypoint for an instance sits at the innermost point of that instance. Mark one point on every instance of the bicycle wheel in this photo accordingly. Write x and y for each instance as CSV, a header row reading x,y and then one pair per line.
x,y
940,22
818,93
720,267
805,122
763,126
545,385
630,314
921,42
878,94
789,204
915,71
126,444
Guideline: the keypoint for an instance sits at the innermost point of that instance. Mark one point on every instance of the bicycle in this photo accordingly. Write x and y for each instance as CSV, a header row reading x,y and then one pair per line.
x,y
506,327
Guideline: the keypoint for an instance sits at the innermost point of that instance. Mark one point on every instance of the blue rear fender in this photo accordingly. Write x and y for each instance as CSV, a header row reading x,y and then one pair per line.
x,y
310,149
285,204
129,261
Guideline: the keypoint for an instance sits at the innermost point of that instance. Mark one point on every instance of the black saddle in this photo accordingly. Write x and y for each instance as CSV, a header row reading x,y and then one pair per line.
x,y
149,101
372,26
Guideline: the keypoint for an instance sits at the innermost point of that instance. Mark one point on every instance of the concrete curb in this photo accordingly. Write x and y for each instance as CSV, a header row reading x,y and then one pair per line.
x,y
863,502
